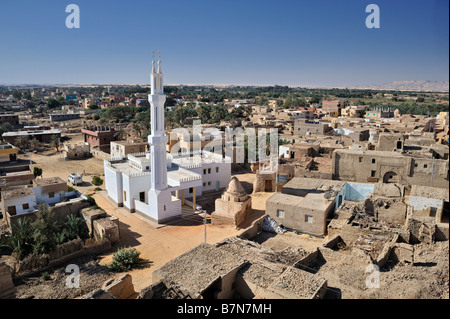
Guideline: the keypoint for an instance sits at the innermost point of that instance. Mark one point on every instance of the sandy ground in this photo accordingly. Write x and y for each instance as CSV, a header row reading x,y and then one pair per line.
x,y
53,164
158,245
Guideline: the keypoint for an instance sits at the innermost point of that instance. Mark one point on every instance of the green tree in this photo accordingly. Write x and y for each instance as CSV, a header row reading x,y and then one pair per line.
x,y
21,242
54,142
17,95
34,144
53,104
44,231
74,228
5,127
204,112
37,171
218,113
22,142
120,134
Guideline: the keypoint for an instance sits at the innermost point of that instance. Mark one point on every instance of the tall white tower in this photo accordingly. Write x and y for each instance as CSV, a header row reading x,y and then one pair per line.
x,y
157,139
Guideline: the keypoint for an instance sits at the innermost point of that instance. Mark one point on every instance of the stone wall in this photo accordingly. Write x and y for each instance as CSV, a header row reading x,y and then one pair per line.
x,y
7,287
59,213
254,229
120,288
62,254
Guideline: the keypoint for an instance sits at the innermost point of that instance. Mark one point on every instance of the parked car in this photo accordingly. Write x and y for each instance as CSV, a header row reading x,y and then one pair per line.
x,y
75,179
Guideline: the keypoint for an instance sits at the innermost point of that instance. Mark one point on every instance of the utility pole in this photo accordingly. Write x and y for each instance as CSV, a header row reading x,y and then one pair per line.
x,y
199,208
205,224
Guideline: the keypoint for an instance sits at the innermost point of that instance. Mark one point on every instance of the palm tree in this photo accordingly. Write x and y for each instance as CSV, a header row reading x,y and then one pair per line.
x,y
34,143
119,134
138,128
55,142
22,241
22,142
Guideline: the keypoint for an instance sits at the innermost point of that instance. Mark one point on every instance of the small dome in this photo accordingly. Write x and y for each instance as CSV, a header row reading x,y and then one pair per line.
x,y
235,187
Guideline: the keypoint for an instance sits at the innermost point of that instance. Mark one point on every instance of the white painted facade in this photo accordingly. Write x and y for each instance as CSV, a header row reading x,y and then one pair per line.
x,y
44,196
23,204
154,183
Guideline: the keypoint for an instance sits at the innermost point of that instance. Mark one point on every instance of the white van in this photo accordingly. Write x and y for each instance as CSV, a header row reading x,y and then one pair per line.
x,y
75,179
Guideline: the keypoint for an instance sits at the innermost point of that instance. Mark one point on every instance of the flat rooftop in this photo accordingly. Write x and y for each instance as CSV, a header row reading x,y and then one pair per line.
x,y
429,192
198,269
17,192
314,184
48,181
26,133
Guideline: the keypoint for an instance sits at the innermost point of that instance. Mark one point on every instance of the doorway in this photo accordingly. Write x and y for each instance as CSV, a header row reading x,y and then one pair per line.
x,y
445,213
390,177
268,186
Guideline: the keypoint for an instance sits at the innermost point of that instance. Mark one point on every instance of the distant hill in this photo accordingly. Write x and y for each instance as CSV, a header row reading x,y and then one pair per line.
x,y
435,86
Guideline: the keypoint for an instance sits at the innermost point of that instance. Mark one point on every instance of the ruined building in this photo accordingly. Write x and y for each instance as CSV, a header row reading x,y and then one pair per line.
x,y
390,167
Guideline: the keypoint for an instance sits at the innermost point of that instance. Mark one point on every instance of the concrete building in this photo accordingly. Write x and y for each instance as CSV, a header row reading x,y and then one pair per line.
x,y
356,134
353,111
333,108
16,175
305,204
99,135
390,167
430,202
76,151
123,148
306,127
8,153
43,136
233,207
18,200
50,190
10,118
379,113
391,142
58,117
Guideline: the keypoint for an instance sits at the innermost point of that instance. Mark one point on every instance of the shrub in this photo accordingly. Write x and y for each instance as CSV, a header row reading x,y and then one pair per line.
x,y
60,238
70,188
124,259
97,181
37,171
98,189
45,276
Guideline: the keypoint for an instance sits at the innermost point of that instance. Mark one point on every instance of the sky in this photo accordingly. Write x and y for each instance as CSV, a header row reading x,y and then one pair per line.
x,y
241,42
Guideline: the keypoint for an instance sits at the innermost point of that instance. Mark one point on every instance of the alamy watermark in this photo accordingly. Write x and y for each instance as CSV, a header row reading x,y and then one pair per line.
x,y
73,19
373,19
373,279
73,280
236,145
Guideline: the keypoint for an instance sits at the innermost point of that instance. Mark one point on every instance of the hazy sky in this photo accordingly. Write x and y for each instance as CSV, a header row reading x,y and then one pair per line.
x,y
259,42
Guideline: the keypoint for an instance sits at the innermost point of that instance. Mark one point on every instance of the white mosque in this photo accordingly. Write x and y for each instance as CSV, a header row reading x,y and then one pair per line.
x,y
156,184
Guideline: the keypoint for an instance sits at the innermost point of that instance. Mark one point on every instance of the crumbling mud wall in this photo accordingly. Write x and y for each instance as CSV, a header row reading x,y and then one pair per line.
x,y
7,287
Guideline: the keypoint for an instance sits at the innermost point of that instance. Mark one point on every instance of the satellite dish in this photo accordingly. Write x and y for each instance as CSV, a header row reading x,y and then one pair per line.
x,y
327,195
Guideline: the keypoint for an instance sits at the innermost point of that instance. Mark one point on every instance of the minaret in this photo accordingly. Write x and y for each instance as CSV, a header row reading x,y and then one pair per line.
x,y
157,139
